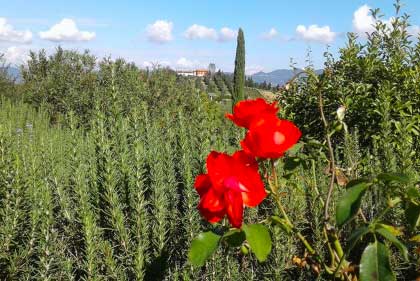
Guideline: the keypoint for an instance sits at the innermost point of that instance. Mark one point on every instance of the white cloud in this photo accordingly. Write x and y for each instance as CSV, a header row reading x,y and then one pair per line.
x,y
249,70
363,21
316,33
155,64
16,55
66,30
196,31
160,31
414,30
165,63
184,63
226,34
9,34
270,34
147,64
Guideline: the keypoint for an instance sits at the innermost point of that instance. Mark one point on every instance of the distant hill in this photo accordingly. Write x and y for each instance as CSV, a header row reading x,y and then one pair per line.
x,y
279,76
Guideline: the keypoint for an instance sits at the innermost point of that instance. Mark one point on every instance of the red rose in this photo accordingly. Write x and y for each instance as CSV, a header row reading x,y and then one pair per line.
x,y
270,137
246,111
230,183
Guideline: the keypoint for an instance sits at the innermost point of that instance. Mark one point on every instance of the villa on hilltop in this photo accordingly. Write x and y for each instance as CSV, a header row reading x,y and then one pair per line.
x,y
198,72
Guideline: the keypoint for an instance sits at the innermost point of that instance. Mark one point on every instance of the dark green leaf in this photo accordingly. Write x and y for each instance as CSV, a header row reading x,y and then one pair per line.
x,y
413,193
397,177
259,240
384,232
412,214
291,163
349,203
234,237
375,265
356,182
202,247
295,149
356,236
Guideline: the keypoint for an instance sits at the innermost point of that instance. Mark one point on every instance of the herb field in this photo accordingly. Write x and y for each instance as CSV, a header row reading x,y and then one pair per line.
x,y
99,160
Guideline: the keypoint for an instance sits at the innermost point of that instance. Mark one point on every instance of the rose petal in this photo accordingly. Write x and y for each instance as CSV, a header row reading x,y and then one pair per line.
x,y
202,184
234,207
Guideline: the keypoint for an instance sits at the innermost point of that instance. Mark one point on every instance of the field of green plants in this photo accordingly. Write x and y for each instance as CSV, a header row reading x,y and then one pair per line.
x,y
98,161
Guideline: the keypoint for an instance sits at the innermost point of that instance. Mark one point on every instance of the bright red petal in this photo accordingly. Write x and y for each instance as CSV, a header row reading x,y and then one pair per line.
x,y
291,132
246,111
270,137
202,184
251,185
212,206
210,216
234,208
218,169
245,158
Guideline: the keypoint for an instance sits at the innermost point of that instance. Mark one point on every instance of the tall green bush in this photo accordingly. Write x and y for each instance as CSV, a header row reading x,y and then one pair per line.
x,y
239,72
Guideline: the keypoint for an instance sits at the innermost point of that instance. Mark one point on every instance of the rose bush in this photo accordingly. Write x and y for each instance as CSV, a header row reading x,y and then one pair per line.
x,y
234,181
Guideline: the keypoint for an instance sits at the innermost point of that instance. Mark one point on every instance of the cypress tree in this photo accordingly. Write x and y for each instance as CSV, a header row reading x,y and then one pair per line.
x,y
239,74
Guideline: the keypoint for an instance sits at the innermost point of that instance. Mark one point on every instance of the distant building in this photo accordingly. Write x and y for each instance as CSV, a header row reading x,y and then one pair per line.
x,y
197,72
201,72
212,68
185,72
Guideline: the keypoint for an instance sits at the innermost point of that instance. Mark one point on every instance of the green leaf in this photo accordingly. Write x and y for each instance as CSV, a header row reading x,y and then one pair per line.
x,y
234,237
415,238
356,236
375,265
202,247
356,182
412,214
385,233
397,177
349,203
295,149
394,230
413,193
291,163
259,240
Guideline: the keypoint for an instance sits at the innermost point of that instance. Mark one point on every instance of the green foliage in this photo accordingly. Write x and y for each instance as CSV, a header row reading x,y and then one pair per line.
x,y
98,160
96,196
349,204
375,263
376,80
239,73
203,247
259,240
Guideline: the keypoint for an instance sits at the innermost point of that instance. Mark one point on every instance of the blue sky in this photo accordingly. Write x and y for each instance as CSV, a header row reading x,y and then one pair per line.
x,y
189,34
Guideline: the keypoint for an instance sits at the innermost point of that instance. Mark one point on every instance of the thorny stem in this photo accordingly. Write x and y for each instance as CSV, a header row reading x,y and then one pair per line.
x,y
331,234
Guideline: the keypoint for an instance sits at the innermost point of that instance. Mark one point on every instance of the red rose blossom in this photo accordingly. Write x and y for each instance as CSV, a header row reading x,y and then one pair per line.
x,y
230,183
270,137
245,112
